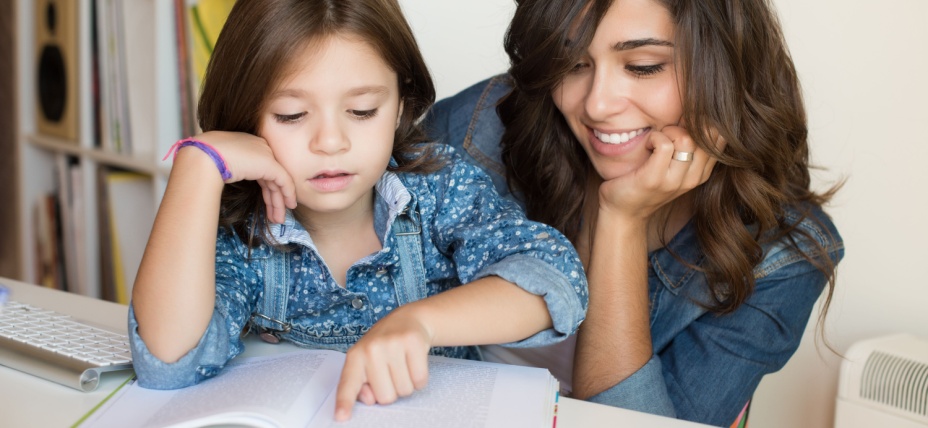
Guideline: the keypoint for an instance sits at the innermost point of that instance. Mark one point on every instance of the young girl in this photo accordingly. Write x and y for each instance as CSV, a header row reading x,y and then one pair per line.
x,y
668,140
329,222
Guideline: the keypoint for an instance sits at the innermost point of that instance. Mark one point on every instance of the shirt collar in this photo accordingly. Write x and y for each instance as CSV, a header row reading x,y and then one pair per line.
x,y
671,263
391,197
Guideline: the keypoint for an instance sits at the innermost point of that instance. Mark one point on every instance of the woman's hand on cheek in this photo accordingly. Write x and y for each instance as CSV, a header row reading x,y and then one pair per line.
x,y
248,157
662,178
389,362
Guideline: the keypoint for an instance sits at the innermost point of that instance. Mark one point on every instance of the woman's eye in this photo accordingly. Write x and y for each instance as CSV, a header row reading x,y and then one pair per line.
x,y
363,114
645,70
578,67
289,118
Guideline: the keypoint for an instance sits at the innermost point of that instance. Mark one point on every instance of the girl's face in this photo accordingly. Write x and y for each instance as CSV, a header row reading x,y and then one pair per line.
x,y
623,88
331,124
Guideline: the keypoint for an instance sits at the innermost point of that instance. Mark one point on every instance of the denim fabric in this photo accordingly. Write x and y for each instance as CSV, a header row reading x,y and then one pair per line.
x,y
705,366
467,232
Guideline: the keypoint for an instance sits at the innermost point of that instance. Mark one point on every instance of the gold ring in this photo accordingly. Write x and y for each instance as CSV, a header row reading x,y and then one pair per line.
x,y
682,156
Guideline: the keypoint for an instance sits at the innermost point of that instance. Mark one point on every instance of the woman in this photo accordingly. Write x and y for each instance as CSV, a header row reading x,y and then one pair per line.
x,y
668,141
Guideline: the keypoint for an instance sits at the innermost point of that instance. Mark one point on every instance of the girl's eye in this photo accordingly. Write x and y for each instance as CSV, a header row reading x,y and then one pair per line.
x,y
363,114
289,118
645,70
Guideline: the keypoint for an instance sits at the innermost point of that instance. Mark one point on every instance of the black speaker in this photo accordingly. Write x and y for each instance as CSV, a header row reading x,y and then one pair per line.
x,y
56,68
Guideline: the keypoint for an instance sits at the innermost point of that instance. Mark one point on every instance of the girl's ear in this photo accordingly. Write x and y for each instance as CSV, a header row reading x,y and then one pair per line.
x,y
399,115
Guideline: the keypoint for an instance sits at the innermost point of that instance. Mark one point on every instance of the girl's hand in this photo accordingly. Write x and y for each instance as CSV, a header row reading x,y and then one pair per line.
x,y
249,157
662,178
390,361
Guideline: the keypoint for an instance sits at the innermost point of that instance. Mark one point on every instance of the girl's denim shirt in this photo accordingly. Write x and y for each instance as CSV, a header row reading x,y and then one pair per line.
x,y
705,366
467,232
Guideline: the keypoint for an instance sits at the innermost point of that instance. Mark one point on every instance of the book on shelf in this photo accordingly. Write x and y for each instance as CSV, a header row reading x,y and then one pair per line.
x,y
202,21
130,210
114,134
49,266
125,35
65,194
71,215
297,389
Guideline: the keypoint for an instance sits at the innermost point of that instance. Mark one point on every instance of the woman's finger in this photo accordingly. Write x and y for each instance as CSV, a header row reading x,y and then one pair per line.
x,y
653,173
683,158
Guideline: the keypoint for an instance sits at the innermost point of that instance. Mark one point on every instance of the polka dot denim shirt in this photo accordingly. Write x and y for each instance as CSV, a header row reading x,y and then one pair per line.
x,y
467,232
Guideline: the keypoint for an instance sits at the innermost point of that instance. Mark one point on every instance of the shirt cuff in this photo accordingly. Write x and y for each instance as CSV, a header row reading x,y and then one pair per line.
x,y
643,391
202,362
541,279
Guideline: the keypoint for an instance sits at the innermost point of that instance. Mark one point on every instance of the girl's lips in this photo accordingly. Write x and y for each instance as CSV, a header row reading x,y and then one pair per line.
x,y
331,182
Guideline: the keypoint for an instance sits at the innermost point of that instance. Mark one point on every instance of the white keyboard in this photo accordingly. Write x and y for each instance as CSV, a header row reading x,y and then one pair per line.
x,y
58,348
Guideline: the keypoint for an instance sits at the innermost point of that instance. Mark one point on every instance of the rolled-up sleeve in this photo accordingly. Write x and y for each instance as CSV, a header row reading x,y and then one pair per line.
x,y
236,292
564,300
643,391
488,235
202,362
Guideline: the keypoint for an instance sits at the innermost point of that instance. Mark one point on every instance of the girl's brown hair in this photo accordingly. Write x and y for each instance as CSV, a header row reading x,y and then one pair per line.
x,y
255,50
738,78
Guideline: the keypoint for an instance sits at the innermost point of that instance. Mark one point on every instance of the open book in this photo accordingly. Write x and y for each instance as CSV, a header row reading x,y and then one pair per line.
x,y
297,389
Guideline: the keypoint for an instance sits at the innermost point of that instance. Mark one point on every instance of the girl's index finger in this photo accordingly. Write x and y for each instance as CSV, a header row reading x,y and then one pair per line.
x,y
349,386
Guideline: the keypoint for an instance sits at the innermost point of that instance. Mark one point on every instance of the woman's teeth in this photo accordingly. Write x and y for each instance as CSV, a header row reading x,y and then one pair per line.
x,y
618,138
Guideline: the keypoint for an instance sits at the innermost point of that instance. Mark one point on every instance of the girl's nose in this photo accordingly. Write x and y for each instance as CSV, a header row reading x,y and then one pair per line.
x,y
329,138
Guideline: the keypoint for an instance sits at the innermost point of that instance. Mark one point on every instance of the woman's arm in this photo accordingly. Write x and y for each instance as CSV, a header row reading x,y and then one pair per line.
x,y
615,341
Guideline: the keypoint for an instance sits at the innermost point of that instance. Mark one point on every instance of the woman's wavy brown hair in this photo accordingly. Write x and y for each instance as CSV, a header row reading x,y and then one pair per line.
x,y
738,77
257,48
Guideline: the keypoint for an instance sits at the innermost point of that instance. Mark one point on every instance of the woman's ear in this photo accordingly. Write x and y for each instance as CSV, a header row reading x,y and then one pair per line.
x,y
399,115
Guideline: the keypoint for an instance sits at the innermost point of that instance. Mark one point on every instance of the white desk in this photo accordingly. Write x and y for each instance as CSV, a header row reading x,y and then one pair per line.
x,y
27,401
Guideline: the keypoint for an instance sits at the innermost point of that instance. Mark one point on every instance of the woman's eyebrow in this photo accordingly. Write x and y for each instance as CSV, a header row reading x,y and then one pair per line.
x,y
637,43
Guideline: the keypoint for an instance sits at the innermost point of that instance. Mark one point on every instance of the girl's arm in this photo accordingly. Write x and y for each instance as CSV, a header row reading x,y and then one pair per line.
x,y
523,285
391,360
174,292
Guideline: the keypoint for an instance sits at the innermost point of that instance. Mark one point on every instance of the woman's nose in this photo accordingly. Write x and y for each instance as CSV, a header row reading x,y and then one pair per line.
x,y
606,96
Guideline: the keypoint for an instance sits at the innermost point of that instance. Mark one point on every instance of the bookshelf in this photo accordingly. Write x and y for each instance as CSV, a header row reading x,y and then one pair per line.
x,y
44,158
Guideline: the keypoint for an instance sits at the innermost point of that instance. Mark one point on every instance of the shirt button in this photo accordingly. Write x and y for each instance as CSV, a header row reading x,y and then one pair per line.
x,y
357,303
381,271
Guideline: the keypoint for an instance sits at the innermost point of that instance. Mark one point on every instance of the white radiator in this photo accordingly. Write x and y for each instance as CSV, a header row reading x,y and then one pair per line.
x,y
884,383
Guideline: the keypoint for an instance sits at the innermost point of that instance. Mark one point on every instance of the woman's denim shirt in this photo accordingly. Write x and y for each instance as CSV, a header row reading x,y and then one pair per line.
x,y
705,366
467,232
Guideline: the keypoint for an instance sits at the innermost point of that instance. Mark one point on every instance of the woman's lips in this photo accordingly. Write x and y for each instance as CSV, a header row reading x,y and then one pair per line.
x,y
617,144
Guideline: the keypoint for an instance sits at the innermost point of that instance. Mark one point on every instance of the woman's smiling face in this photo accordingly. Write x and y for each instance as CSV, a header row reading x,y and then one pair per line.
x,y
624,87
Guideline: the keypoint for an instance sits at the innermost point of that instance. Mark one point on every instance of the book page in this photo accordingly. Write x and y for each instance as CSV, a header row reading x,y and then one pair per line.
x,y
278,390
463,394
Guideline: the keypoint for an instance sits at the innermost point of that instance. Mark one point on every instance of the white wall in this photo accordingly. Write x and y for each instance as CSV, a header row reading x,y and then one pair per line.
x,y
864,69
462,40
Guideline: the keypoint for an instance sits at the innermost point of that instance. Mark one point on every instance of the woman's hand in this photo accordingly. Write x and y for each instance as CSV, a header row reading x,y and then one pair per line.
x,y
249,157
390,361
662,178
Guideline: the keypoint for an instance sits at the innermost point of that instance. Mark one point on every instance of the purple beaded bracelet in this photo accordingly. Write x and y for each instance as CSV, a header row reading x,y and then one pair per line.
x,y
208,149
